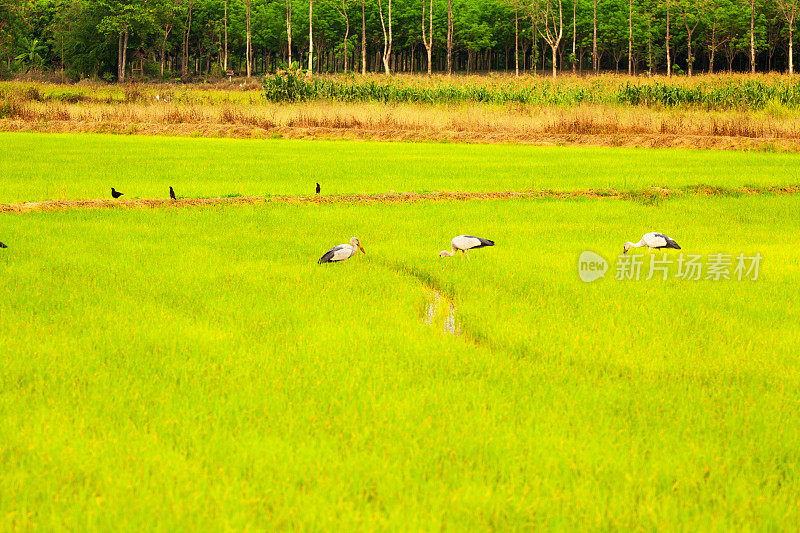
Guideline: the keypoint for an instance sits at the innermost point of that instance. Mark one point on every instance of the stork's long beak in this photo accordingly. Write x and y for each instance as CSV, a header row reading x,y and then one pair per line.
x,y
624,251
361,248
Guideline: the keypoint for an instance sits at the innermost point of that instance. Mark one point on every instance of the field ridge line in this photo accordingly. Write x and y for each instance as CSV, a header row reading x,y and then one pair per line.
x,y
648,194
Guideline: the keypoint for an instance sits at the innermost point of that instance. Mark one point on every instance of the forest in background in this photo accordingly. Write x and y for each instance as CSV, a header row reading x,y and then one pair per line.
x,y
115,40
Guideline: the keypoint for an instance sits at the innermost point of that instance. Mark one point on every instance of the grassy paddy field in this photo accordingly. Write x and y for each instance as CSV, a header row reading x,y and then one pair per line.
x,y
79,166
195,369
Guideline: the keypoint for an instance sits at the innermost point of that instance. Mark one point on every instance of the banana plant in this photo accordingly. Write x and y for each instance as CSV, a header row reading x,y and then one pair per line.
x,y
32,53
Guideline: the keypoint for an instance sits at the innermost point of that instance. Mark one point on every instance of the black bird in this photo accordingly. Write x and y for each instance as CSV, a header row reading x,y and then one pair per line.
x,y
115,193
3,245
172,193
318,188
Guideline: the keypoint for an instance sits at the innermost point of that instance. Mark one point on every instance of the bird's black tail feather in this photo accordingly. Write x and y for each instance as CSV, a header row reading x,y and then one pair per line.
x,y
485,242
3,245
672,244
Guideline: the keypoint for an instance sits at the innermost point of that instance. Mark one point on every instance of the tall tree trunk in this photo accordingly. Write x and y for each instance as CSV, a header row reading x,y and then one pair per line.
x,y
534,46
752,36
449,37
789,10
669,60
120,61
346,31
387,36
225,57
574,31
119,58
310,35
630,37
167,29
248,4
544,19
595,59
428,41
289,30
363,40
516,38
124,55
689,32
649,45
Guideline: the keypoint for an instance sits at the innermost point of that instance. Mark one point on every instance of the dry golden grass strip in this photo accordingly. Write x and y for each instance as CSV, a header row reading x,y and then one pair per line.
x,y
245,114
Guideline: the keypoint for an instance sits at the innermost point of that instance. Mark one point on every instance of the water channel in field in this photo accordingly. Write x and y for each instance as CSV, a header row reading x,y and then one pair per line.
x,y
440,312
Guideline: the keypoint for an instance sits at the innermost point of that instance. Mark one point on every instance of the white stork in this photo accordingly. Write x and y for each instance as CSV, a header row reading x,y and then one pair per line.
x,y
342,252
652,241
464,243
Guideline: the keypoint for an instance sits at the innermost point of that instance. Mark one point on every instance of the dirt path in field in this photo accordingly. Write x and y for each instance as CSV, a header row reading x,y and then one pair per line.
x,y
649,195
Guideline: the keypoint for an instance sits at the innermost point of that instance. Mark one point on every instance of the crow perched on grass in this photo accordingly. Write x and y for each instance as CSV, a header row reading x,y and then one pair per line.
x,y
172,193
115,193
3,245
318,188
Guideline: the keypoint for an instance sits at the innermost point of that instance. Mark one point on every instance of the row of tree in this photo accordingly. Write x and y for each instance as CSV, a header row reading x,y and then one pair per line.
x,y
119,38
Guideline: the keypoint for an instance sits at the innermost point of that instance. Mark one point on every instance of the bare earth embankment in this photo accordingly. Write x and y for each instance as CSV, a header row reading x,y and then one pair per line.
x,y
653,194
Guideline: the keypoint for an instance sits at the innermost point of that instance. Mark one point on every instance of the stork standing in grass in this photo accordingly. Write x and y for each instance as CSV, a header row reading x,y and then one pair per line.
x,y
652,241
464,243
342,252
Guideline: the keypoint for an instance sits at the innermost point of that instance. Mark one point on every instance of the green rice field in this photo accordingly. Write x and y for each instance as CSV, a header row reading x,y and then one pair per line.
x,y
76,166
192,369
